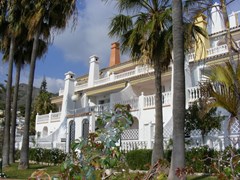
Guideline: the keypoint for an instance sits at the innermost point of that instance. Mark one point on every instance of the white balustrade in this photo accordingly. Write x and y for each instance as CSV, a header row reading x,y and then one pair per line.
x,y
144,69
81,87
166,98
194,93
217,50
42,118
132,145
102,81
149,101
55,117
125,75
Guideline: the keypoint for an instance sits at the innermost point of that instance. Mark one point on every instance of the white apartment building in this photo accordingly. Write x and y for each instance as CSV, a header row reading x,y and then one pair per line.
x,y
84,98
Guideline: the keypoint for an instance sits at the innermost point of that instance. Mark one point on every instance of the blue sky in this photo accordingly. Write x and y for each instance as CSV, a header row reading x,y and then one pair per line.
x,y
71,50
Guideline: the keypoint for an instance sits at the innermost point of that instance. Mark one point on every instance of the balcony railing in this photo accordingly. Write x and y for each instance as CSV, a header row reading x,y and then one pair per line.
x,y
214,51
144,70
116,77
51,117
55,117
149,101
193,94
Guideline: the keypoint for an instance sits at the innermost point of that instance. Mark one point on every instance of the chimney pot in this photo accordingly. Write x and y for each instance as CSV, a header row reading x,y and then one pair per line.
x,y
115,54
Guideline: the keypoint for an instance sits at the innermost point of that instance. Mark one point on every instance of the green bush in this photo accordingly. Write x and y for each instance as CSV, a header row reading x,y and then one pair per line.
x,y
167,155
139,159
201,159
40,155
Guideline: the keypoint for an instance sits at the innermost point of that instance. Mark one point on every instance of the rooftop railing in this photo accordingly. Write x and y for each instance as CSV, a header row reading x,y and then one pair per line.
x,y
116,77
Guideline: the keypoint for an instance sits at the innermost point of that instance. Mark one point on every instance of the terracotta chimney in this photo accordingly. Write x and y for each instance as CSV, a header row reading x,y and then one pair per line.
x,y
115,54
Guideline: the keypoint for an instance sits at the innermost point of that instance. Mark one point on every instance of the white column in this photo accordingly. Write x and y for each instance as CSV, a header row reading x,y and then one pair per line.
x,y
68,92
149,140
92,123
50,116
141,119
93,70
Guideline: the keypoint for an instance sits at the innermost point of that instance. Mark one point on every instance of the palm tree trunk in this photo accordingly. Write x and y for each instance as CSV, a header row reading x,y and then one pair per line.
x,y
14,114
6,140
158,138
178,152
24,157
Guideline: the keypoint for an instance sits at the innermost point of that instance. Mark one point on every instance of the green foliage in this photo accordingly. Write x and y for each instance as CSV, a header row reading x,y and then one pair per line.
x,y
42,105
100,150
40,155
201,116
201,159
139,159
224,86
227,164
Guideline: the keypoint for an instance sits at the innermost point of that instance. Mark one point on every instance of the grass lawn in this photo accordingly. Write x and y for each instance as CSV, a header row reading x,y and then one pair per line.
x,y
13,172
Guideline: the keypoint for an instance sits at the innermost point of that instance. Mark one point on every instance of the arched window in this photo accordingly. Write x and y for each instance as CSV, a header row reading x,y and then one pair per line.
x,y
71,132
45,131
85,128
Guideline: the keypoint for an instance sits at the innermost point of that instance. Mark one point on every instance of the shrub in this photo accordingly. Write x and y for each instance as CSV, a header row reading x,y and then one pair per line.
x,y
139,159
40,155
201,159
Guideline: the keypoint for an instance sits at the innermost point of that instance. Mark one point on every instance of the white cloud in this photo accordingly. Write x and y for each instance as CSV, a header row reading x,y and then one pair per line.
x,y
91,34
53,84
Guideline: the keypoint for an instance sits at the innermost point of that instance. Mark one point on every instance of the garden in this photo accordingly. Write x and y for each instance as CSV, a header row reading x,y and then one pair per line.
x,y
99,157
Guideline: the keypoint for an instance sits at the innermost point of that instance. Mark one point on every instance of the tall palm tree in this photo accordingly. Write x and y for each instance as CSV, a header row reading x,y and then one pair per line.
x,y
145,33
178,151
41,17
10,23
22,56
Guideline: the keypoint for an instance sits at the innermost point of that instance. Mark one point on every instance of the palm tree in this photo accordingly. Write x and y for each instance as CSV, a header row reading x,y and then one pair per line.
x,y
10,25
146,34
223,87
178,151
41,16
22,56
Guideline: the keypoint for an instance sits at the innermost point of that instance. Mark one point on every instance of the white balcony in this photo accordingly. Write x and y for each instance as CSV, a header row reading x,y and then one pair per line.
x,y
214,51
116,77
48,118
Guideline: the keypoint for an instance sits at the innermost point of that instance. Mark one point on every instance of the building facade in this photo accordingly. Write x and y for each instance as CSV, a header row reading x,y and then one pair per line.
x,y
84,98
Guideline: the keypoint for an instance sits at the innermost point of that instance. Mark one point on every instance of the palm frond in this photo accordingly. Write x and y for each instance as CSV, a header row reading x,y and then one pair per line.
x,y
120,24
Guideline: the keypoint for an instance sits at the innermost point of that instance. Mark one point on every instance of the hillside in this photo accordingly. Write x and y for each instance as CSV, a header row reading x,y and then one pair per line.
x,y
22,95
